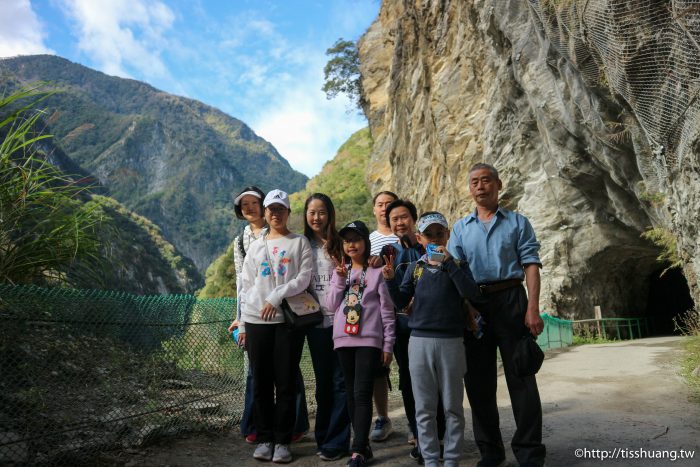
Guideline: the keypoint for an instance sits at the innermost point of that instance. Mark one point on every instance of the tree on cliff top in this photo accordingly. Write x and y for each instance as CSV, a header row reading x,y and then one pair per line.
x,y
342,72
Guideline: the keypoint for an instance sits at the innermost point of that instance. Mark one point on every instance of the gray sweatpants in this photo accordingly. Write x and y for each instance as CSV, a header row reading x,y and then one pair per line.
x,y
437,366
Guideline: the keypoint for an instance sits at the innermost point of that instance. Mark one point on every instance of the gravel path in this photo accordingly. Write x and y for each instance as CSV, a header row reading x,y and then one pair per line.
x,y
627,396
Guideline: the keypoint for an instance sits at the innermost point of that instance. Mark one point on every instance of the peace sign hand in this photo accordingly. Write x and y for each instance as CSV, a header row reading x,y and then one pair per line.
x,y
339,268
388,269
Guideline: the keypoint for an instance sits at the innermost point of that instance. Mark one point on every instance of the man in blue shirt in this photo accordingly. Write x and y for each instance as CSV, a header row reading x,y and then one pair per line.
x,y
502,250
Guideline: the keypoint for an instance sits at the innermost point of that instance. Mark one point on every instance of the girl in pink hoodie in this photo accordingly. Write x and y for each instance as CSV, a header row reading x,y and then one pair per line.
x,y
363,331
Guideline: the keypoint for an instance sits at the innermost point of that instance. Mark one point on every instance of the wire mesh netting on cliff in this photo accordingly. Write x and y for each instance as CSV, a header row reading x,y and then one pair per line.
x,y
646,51
86,372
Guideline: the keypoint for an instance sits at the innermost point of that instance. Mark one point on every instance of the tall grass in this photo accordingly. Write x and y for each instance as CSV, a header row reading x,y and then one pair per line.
x,y
46,230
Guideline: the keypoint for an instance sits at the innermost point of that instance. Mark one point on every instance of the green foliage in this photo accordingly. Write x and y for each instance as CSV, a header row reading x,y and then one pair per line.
x,y
689,364
220,277
342,72
665,240
343,180
590,339
141,260
47,235
652,198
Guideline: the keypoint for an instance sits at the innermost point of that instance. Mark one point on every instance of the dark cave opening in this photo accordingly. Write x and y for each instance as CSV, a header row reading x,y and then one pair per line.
x,y
669,297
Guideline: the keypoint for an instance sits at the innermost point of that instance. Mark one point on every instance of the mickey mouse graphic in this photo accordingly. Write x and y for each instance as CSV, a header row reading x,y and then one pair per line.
x,y
352,311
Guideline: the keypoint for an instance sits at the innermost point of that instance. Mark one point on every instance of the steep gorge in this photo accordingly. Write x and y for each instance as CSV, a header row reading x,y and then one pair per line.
x,y
588,109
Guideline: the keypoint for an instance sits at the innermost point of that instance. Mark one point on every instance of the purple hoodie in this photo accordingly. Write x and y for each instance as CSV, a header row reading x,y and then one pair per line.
x,y
377,321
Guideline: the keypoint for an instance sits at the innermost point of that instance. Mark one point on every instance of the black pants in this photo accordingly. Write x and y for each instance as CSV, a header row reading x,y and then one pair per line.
x,y
332,430
274,351
360,366
403,334
504,314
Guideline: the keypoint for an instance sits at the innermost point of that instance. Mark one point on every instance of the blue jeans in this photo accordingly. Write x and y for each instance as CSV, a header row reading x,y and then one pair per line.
x,y
302,415
332,429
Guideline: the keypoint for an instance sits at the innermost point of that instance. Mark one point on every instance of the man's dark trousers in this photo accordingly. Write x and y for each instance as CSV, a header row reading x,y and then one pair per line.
x,y
504,314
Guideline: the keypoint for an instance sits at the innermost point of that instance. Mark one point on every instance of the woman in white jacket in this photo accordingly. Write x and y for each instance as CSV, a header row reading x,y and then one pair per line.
x,y
277,266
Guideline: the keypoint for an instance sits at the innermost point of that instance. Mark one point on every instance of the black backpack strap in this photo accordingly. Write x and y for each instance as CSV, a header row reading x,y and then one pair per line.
x,y
240,245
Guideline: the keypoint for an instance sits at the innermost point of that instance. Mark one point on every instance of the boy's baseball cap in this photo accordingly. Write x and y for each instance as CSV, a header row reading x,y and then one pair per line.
x,y
358,227
276,197
427,221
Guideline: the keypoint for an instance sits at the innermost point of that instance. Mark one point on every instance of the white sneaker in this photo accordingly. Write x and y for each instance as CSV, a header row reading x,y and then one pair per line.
x,y
263,452
282,454
382,429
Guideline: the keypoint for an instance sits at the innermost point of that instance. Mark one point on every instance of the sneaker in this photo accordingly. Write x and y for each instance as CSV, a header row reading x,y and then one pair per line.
x,y
251,438
330,454
282,454
263,452
296,437
382,429
416,455
357,461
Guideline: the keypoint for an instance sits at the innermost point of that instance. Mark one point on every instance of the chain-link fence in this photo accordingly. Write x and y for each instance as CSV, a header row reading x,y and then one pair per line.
x,y
85,372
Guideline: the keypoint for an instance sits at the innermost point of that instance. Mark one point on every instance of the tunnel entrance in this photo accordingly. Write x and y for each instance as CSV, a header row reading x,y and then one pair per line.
x,y
669,296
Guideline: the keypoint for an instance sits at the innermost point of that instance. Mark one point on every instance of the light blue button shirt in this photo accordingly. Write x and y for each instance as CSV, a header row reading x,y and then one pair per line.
x,y
498,254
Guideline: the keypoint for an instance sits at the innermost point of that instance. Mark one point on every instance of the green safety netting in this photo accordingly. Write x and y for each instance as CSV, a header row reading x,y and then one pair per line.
x,y
557,333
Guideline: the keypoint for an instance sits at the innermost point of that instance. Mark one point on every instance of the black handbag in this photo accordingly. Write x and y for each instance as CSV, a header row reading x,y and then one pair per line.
x,y
301,311
527,357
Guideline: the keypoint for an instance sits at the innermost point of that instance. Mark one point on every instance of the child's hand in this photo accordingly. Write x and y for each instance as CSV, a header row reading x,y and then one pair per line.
x,y
267,313
386,359
443,250
409,308
375,261
388,270
233,326
339,268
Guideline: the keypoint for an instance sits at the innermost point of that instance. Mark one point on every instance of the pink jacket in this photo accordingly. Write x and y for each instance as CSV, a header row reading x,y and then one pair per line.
x,y
377,319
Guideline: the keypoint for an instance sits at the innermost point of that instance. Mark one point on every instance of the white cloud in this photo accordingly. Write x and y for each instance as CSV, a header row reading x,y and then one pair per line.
x,y
279,95
123,34
305,127
21,32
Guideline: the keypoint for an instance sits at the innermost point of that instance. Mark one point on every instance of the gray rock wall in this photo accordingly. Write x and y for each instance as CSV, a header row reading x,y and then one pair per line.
x,y
538,91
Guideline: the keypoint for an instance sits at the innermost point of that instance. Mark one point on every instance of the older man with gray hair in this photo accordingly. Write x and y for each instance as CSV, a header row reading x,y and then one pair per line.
x,y
502,250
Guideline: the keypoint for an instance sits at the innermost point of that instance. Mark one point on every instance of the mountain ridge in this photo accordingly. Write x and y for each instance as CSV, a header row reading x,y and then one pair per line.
x,y
174,160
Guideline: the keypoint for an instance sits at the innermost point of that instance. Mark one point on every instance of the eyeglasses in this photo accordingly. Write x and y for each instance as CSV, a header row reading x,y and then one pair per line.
x,y
276,210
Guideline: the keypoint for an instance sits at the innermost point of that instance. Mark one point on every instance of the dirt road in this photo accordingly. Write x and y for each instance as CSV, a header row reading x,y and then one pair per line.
x,y
625,396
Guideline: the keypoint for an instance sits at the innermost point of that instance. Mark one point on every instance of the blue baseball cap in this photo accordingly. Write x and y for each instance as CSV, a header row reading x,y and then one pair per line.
x,y
426,221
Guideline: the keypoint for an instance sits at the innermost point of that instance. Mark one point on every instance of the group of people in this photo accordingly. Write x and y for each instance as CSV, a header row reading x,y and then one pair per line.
x,y
441,302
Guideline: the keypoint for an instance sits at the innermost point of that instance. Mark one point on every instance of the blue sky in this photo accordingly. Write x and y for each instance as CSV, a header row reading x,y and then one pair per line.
x,y
260,61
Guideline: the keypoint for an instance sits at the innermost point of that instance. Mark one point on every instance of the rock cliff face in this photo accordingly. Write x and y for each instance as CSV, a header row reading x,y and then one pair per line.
x,y
588,109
